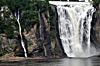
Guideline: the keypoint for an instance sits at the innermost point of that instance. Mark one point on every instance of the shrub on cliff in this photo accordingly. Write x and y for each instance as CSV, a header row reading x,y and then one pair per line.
x,y
2,25
96,2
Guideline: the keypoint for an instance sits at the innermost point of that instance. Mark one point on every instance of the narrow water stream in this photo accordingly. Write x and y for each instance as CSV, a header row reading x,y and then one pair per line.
x,y
20,32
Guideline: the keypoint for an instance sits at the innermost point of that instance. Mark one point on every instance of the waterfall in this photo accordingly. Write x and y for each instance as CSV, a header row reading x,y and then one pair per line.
x,y
67,0
39,16
22,42
41,31
74,22
86,0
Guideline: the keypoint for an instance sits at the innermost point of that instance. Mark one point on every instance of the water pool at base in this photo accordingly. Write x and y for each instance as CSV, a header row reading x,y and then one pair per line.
x,y
54,62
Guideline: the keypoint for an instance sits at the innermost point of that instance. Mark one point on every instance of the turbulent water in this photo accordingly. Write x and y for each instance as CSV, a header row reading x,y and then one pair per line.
x,y
22,42
74,22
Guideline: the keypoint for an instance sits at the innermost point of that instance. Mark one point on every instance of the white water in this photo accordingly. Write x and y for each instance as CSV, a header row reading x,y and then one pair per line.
x,y
22,43
41,35
65,3
74,22
84,0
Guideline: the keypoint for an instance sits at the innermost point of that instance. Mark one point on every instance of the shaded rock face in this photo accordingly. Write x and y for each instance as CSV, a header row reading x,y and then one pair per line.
x,y
41,47
95,30
46,46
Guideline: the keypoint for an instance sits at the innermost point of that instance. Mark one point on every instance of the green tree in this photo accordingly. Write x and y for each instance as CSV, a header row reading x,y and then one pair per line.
x,y
2,25
10,32
16,5
96,2
2,3
29,18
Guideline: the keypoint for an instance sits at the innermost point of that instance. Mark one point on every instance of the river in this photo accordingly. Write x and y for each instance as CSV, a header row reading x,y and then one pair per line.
x,y
54,62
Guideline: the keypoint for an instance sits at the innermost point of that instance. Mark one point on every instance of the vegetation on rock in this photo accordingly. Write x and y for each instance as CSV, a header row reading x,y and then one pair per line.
x,y
96,2
28,11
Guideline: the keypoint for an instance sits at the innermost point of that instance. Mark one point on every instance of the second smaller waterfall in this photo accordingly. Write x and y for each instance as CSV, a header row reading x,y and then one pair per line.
x,y
22,42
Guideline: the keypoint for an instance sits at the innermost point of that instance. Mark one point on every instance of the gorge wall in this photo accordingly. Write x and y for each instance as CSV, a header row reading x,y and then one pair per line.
x,y
34,45
95,30
50,46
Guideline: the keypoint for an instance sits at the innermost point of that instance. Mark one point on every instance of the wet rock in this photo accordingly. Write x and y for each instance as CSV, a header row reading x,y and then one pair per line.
x,y
95,29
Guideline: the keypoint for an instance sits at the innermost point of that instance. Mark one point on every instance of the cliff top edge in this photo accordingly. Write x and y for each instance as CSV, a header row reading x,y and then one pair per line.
x,y
66,3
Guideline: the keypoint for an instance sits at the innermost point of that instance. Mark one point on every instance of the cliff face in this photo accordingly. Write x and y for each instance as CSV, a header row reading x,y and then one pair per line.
x,y
95,30
49,46
11,43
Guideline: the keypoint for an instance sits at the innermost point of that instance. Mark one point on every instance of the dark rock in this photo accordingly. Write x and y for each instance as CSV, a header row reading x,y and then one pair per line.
x,y
95,29
58,40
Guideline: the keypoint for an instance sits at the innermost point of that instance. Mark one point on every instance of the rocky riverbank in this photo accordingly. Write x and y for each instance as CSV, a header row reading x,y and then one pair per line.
x,y
11,57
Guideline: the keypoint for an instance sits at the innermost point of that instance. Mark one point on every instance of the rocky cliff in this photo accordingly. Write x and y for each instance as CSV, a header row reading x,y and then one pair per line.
x,y
49,45
95,30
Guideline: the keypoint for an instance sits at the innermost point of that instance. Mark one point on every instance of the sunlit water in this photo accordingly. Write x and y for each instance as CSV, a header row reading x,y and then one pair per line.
x,y
54,62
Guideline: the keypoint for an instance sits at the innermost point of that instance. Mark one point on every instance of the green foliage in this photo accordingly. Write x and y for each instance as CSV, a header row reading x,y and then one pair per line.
x,y
2,25
15,48
32,4
1,53
2,2
29,18
96,2
52,14
7,14
7,52
16,4
10,31
30,43
28,15
43,6
15,24
6,24
52,36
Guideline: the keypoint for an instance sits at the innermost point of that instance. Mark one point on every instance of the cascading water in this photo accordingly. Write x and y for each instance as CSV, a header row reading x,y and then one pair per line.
x,y
22,43
74,22
39,16
41,31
